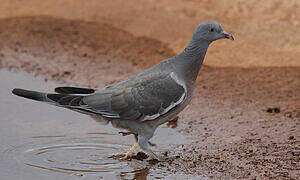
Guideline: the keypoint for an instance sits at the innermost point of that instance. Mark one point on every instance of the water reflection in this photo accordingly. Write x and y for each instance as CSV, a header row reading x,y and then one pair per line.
x,y
82,157
137,174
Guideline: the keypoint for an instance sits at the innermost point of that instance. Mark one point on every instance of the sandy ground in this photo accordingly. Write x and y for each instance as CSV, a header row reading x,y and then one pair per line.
x,y
245,122
266,31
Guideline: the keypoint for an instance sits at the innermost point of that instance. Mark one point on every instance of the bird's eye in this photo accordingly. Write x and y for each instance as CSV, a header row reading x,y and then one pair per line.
x,y
212,30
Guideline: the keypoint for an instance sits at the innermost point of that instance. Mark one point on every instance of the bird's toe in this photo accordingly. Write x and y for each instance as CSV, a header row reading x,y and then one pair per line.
x,y
132,152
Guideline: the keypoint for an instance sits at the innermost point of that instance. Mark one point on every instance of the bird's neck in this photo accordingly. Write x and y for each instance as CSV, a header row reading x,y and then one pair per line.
x,y
196,50
192,58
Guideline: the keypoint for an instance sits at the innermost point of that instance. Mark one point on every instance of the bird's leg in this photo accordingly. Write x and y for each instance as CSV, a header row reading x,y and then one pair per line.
x,y
144,145
135,137
136,140
135,149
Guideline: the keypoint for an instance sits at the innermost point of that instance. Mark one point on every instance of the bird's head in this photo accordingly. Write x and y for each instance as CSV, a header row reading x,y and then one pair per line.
x,y
211,31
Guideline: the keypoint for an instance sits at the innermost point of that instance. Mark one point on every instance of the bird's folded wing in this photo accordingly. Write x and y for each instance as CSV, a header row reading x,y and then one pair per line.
x,y
147,99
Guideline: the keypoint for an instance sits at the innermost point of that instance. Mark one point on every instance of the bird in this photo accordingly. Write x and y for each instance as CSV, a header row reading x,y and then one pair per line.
x,y
143,102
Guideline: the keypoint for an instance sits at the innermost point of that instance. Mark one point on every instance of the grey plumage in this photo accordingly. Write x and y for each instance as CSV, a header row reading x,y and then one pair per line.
x,y
144,101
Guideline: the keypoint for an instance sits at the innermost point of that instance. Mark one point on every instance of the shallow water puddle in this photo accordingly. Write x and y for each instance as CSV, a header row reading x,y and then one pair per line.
x,y
39,141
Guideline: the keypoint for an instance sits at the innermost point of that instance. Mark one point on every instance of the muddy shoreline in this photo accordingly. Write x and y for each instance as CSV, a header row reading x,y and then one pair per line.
x,y
244,122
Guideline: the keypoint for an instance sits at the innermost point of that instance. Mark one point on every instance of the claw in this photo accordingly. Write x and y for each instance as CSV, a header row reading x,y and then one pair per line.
x,y
132,152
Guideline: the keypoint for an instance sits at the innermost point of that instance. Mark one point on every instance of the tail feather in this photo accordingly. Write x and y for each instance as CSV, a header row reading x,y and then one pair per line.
x,y
68,97
73,90
38,96
64,100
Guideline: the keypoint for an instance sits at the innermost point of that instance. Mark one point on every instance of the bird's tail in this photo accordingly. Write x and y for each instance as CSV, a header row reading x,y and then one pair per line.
x,y
34,95
69,97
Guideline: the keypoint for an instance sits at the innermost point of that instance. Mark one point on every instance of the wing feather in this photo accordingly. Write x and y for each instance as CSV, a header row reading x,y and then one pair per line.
x,y
148,99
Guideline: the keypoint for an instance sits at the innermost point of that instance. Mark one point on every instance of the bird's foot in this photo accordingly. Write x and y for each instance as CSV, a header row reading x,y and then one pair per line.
x,y
135,152
144,145
132,152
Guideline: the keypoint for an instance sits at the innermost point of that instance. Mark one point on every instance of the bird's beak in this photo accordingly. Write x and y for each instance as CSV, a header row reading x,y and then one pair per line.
x,y
227,35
